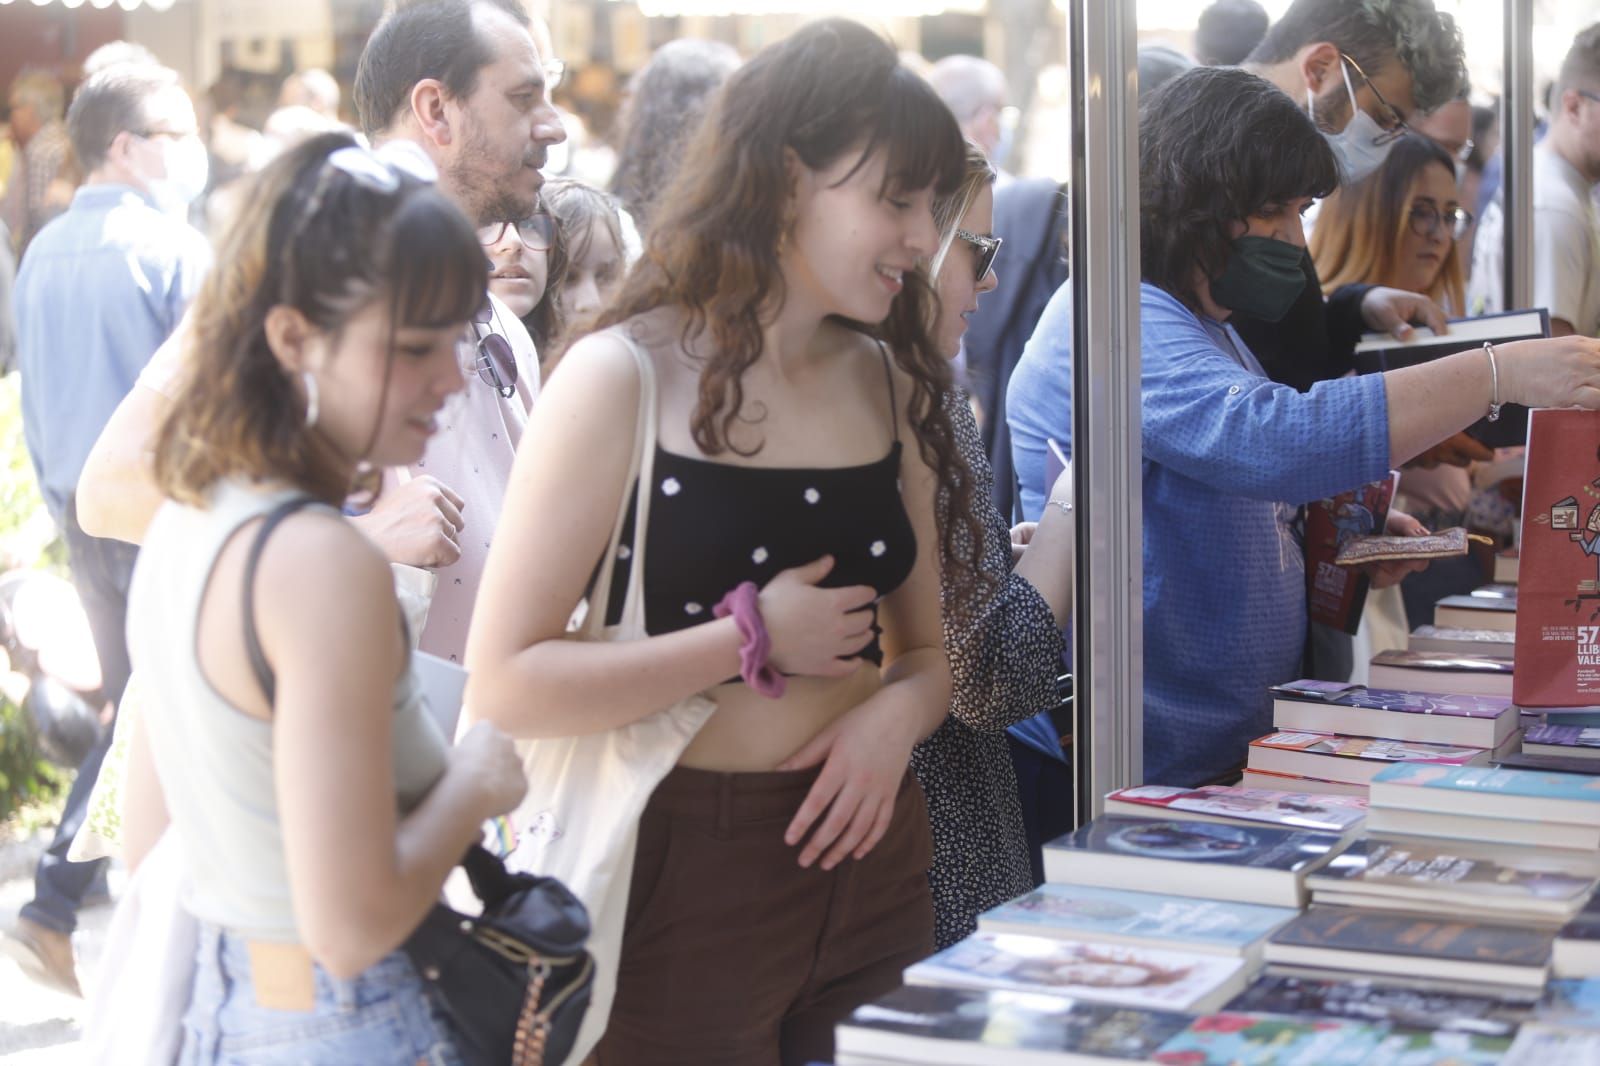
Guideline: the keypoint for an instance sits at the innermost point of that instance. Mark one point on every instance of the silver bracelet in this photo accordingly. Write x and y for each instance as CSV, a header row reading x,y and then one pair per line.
x,y
1494,373
1063,504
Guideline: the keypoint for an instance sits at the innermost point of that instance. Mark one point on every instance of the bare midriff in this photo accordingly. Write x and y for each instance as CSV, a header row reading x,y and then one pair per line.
x,y
750,733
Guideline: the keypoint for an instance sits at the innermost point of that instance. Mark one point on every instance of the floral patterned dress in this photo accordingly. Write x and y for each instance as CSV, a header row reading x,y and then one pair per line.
x,y
1005,653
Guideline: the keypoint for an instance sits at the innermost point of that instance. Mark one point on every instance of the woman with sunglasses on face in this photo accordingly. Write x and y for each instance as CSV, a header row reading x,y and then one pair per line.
x,y
781,872
1003,635
1402,227
316,807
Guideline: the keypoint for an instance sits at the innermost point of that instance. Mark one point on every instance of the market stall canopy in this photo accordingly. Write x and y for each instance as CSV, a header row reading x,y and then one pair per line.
x,y
126,5
859,9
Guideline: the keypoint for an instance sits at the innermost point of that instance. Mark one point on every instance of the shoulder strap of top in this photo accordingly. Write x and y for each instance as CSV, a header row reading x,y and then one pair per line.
x,y
252,642
640,478
894,405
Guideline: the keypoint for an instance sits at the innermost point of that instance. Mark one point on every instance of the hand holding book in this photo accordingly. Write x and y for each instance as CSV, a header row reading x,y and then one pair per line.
x,y
1394,310
1359,551
1391,570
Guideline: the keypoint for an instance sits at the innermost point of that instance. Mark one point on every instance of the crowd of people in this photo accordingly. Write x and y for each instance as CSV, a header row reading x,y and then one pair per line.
x,y
381,416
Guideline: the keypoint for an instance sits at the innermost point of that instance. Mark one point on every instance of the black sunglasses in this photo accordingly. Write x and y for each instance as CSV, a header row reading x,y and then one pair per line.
x,y
496,365
986,247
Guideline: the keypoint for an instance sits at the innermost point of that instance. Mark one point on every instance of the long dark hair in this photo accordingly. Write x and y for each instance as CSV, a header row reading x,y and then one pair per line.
x,y
831,87
328,244
1216,146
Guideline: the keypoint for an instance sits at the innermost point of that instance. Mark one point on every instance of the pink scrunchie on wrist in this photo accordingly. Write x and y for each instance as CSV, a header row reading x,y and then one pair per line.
x,y
742,603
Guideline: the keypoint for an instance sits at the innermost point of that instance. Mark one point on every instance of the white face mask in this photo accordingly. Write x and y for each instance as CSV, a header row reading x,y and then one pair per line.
x,y
1362,146
187,171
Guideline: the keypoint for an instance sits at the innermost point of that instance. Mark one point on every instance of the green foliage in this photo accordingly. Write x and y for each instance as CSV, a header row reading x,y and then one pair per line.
x,y
27,778
27,535
27,539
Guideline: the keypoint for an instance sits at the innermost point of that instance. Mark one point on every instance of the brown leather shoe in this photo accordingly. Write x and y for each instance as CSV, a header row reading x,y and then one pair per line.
x,y
43,954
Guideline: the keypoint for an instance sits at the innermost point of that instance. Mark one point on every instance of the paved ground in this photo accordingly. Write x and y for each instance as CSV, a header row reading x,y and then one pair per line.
x,y
39,1027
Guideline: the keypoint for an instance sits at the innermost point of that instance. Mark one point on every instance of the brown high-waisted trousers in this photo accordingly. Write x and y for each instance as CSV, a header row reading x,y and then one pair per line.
x,y
735,955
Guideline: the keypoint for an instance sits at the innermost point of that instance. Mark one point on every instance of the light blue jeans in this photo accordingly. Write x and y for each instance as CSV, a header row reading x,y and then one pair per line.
x,y
385,1015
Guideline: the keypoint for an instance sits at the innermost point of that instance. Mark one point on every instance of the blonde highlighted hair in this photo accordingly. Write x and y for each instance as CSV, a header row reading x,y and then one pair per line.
x,y
948,211
1360,228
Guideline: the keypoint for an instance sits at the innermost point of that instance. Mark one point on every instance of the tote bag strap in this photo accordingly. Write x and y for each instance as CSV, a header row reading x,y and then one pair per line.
x,y
640,471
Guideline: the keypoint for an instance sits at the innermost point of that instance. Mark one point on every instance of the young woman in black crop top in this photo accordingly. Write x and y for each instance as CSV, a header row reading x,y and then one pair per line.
x,y
780,879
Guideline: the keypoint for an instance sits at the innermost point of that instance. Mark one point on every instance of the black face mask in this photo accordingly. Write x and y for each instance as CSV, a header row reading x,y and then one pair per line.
x,y
1263,278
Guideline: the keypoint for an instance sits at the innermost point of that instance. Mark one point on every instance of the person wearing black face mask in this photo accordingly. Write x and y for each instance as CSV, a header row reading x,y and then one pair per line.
x,y
1227,165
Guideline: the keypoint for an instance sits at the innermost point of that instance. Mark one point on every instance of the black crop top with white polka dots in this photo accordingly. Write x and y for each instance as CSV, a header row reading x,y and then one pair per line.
x,y
714,525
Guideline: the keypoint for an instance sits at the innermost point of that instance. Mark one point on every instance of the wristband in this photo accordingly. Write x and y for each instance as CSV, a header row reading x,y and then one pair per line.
x,y
742,603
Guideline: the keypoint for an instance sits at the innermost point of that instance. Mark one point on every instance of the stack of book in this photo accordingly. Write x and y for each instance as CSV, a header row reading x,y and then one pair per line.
x,y
1495,643
1442,672
1559,740
1488,608
1432,876
1382,968
1211,860
1342,815
1368,942
1489,806
1335,738
1468,650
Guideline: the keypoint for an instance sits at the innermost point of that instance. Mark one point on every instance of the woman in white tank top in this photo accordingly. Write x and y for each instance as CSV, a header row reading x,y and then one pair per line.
x,y
317,808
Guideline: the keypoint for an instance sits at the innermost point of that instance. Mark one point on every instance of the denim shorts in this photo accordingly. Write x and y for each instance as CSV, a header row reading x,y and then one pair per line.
x,y
384,1015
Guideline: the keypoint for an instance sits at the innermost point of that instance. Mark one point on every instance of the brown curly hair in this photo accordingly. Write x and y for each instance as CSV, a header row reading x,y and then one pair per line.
x,y
316,239
829,88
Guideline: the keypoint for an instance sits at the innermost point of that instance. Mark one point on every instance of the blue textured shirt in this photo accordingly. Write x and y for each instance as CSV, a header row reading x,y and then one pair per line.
x,y
1228,457
99,289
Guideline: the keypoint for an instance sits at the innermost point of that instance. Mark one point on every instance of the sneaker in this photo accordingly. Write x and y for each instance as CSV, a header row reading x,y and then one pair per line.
x,y
43,954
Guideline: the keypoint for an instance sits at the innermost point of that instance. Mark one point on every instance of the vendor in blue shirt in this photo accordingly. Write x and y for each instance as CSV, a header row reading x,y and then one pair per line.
x,y
1227,165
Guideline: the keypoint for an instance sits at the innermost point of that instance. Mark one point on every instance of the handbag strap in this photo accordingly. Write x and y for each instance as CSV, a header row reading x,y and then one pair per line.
x,y
252,640
641,471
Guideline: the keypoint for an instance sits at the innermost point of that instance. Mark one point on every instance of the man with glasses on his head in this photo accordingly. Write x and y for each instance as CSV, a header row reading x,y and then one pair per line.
x,y
98,291
1566,228
459,89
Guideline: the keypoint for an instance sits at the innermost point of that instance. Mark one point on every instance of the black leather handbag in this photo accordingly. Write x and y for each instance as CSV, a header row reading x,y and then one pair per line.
x,y
515,981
